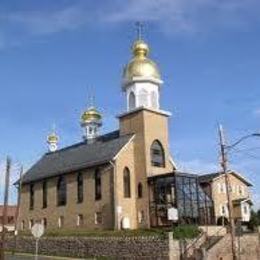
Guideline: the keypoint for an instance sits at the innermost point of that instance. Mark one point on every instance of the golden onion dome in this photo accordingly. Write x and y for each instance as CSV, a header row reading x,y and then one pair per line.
x,y
140,65
52,138
90,115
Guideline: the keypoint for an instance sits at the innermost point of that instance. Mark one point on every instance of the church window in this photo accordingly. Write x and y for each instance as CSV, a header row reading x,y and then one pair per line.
x,y
98,194
98,218
140,190
31,196
44,194
61,222
127,185
44,222
61,191
157,154
80,187
140,216
132,100
79,220
31,222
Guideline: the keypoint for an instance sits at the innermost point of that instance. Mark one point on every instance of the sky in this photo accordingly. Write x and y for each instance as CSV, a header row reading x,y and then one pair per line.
x,y
54,54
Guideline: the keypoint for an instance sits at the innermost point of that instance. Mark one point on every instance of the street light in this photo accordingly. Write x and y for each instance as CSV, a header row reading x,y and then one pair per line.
x,y
224,150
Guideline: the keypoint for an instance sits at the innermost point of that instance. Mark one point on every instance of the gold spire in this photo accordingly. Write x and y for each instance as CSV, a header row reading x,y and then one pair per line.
x,y
91,114
52,137
140,65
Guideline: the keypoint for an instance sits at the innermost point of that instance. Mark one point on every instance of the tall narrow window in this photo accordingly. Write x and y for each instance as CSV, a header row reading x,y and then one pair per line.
x,y
127,185
31,196
80,187
157,154
61,191
140,190
132,101
44,194
98,193
44,222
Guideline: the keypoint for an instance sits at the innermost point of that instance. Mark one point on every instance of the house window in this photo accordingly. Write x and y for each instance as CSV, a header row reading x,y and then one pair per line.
x,y
61,222
245,209
61,191
98,194
223,188
127,185
140,190
223,210
44,194
240,190
80,187
31,196
98,218
157,154
79,220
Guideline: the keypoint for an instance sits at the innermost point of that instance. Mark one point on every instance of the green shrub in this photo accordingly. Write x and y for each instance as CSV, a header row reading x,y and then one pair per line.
x,y
186,231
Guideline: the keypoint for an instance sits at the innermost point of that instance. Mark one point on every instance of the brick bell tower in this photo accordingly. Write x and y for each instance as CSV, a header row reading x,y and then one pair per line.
x,y
141,85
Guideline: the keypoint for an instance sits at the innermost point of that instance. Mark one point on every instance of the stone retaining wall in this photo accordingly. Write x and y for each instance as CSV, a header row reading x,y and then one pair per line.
x,y
86,247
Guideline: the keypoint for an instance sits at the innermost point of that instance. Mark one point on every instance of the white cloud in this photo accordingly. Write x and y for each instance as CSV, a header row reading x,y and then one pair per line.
x,y
171,16
188,15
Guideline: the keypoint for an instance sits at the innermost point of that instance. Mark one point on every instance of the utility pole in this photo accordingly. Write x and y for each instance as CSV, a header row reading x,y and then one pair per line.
x,y
224,162
6,193
18,208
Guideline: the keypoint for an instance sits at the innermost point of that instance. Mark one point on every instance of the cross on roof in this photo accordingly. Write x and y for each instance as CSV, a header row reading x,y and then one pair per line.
x,y
139,29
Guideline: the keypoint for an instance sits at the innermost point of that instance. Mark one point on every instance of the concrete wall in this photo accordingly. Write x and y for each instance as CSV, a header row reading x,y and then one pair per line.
x,y
249,248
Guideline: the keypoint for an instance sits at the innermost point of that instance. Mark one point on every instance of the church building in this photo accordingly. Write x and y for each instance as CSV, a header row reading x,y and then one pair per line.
x,y
125,179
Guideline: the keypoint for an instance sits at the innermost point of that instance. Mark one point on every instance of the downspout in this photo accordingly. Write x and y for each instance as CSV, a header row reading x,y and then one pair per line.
x,y
116,224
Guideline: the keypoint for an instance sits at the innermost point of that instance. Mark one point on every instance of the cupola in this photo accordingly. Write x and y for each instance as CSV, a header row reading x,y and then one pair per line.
x,y
141,77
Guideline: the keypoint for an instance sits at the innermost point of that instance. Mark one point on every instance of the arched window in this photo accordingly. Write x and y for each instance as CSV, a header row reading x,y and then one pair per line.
x,y
157,154
132,101
61,191
140,190
44,194
80,187
98,194
127,185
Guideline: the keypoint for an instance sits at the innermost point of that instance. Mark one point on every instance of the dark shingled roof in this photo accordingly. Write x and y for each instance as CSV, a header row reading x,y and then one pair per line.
x,y
209,177
79,156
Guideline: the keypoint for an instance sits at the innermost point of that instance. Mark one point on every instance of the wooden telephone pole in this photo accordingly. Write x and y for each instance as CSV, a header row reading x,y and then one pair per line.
x,y
6,194
224,161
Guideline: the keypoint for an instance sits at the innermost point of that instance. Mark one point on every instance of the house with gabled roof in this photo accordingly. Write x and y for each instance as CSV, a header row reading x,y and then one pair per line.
x,y
214,185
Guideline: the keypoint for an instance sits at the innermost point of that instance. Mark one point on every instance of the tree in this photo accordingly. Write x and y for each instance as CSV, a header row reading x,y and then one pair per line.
x,y
258,216
254,220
